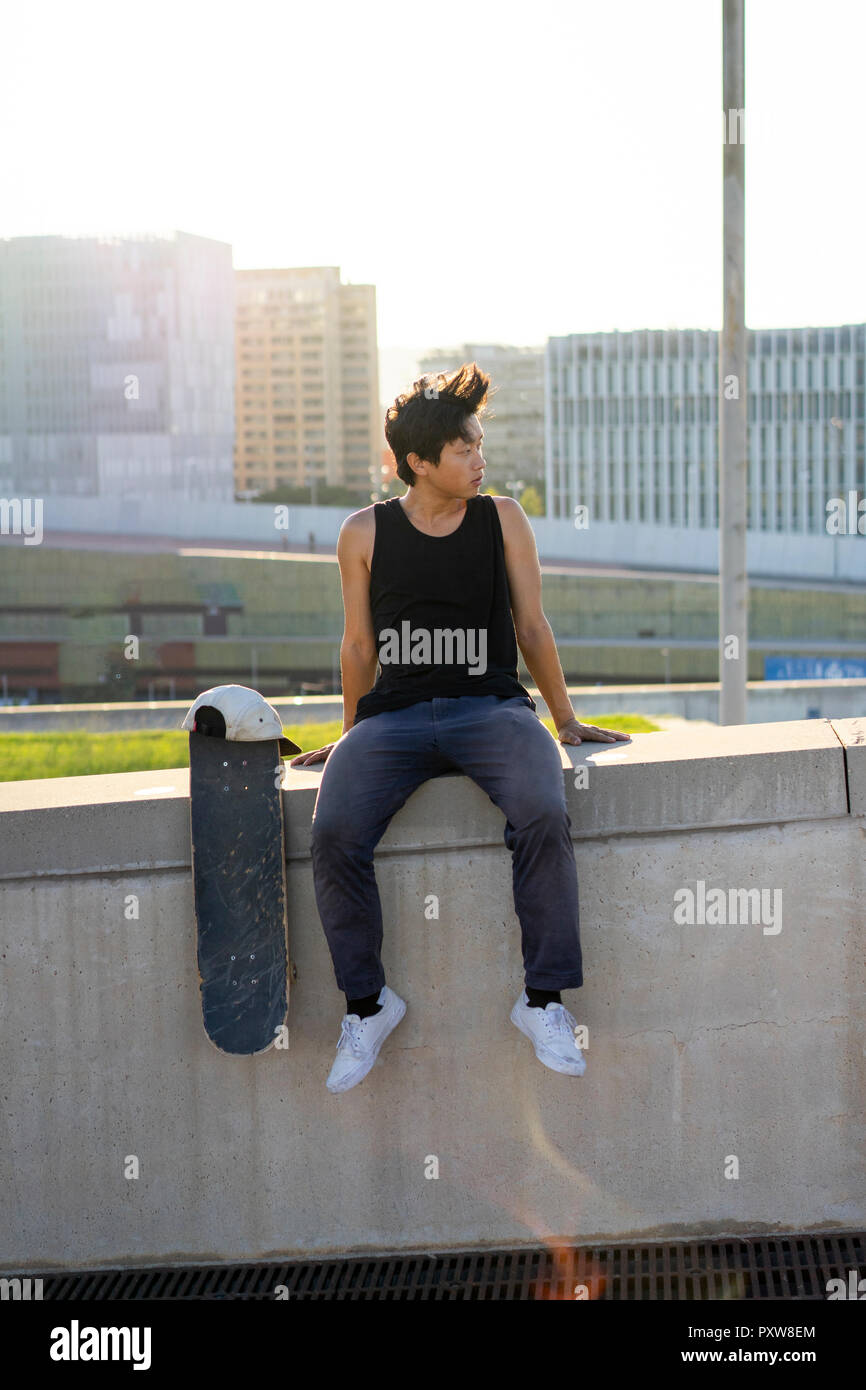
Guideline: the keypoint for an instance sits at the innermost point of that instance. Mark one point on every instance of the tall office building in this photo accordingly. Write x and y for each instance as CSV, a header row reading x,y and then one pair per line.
x,y
514,434
632,425
307,381
117,366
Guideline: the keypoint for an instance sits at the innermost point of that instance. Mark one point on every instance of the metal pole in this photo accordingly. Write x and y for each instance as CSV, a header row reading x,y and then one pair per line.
x,y
733,437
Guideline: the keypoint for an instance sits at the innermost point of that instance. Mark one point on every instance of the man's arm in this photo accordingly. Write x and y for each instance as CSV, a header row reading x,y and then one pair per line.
x,y
358,654
534,633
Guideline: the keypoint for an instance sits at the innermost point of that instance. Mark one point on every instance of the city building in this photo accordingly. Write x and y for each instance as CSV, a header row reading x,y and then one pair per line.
x,y
514,433
307,381
632,426
117,367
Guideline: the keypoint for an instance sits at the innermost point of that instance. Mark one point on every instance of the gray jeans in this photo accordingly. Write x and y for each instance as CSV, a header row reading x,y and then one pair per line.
x,y
374,768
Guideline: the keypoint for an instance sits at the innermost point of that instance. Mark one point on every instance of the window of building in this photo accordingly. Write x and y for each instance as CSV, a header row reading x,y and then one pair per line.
x,y
214,622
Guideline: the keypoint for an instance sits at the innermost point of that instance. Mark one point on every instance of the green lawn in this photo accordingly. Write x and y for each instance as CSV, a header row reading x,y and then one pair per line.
x,y
25,756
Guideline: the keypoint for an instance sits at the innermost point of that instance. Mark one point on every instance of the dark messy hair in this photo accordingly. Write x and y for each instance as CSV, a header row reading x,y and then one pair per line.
x,y
434,412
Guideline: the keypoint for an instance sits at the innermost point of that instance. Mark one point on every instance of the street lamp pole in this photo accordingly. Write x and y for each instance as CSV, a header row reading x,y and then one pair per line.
x,y
733,433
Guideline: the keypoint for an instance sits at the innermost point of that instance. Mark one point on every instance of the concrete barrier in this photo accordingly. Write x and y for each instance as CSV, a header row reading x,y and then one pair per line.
x,y
767,701
800,555
726,1064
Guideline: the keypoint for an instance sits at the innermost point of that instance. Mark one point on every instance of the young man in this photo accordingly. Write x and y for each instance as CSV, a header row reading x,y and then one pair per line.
x,y
439,587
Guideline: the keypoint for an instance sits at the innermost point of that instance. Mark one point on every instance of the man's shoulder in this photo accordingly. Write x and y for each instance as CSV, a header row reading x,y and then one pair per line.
x,y
504,505
362,518
358,534
509,511
360,524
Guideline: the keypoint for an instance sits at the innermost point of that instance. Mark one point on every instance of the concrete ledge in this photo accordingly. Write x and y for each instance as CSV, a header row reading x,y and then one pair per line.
x,y
744,774
705,1041
852,735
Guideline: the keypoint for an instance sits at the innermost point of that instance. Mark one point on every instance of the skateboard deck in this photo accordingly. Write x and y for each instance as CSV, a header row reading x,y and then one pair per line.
x,y
239,890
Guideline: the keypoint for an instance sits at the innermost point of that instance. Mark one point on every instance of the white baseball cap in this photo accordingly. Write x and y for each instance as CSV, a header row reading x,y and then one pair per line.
x,y
248,716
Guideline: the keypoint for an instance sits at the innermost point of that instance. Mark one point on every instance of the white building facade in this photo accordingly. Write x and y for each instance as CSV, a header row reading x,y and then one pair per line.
x,y
632,426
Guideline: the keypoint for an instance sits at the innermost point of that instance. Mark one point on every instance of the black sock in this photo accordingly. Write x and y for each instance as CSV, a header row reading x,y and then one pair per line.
x,y
364,1007
540,998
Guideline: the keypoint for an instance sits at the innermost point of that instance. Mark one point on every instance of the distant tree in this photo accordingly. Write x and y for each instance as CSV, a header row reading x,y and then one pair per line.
x,y
530,501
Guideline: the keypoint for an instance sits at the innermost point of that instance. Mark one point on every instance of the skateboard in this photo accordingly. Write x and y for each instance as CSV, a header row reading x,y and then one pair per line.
x,y
239,890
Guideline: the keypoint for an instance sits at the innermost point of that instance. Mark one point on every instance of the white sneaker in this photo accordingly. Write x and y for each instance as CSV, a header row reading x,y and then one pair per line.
x,y
551,1032
360,1040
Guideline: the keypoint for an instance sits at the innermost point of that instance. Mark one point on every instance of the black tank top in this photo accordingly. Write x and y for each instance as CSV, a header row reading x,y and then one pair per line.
x,y
441,611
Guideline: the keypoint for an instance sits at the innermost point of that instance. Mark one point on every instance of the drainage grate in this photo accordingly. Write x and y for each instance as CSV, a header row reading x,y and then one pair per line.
x,y
793,1267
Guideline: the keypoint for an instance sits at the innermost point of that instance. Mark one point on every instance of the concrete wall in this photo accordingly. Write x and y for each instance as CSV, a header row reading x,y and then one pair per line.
x,y
767,701
770,553
705,1041
663,547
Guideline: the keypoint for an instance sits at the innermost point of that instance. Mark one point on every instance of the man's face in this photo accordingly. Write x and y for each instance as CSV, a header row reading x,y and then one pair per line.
x,y
460,464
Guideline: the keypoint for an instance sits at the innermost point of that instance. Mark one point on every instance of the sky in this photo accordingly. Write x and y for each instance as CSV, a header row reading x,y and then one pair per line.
x,y
501,172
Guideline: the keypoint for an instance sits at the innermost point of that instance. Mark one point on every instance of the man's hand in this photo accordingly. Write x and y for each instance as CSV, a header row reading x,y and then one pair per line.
x,y
575,732
319,755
